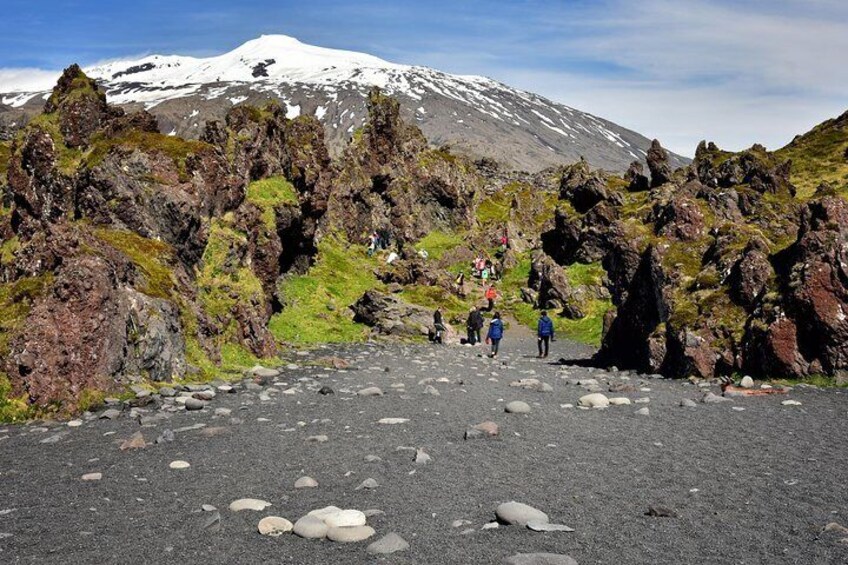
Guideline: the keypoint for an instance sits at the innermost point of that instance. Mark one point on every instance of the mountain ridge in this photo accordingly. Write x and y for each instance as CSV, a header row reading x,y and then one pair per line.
x,y
473,114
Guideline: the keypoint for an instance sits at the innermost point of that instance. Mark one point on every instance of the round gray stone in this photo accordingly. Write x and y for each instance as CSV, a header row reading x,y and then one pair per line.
x,y
517,407
517,513
390,543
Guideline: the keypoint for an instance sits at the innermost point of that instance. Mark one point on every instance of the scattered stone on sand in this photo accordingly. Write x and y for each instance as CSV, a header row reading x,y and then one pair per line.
x,y
74,423
204,394
482,430
179,464
208,508
490,526
264,372
517,407
310,527
660,512
390,543
460,523
835,527
532,384
194,403
249,504
325,390
135,441
432,391
223,411
345,518
517,513
370,391
746,382
368,484
546,527
594,400
305,482
92,476
619,401
422,457
643,411
390,421
539,559
225,389
110,414
642,401
688,403
165,436
373,458
349,534
711,398
791,403
274,526
167,392
318,439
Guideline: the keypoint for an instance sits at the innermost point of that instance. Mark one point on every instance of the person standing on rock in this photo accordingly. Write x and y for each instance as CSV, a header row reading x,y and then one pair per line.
x,y
495,334
545,333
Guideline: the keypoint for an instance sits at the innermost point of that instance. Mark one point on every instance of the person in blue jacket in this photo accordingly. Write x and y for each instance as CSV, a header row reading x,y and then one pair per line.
x,y
495,334
545,333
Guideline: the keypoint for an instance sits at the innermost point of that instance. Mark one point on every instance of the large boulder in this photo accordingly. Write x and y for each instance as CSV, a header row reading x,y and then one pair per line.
x,y
658,164
389,315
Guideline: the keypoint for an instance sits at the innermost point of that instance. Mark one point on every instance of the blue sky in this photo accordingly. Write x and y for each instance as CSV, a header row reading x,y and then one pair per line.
x,y
736,72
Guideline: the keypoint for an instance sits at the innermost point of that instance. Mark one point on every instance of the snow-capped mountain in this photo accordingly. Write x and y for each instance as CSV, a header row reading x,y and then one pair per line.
x,y
470,113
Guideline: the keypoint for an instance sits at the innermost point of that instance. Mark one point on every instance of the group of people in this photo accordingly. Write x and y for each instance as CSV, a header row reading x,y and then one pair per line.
x,y
474,327
484,269
377,240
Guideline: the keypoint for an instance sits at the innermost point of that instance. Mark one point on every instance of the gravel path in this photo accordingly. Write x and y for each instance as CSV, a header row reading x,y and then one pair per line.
x,y
749,486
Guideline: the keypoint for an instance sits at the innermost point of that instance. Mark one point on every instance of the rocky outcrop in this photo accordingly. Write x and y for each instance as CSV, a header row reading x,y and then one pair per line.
x,y
551,288
388,315
658,164
700,272
389,179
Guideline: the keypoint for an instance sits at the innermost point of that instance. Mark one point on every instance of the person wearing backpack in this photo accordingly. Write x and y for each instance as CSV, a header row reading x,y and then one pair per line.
x,y
495,334
545,333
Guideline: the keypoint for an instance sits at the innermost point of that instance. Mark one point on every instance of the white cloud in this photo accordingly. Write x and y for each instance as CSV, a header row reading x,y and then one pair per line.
x,y
27,80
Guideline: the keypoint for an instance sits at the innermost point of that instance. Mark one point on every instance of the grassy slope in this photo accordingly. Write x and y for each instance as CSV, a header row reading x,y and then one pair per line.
x,y
820,156
316,304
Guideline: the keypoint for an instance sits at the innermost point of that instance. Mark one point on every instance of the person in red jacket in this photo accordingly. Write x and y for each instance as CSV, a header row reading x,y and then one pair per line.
x,y
491,296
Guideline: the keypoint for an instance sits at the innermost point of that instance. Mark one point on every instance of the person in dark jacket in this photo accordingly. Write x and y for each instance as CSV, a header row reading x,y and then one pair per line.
x,y
478,325
495,334
438,326
545,333
471,337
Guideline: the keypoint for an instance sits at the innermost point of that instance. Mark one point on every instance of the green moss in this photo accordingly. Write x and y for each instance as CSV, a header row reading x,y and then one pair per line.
x,y
5,155
316,304
68,160
222,282
437,243
519,201
12,409
821,381
90,399
269,193
173,147
153,259
589,274
8,249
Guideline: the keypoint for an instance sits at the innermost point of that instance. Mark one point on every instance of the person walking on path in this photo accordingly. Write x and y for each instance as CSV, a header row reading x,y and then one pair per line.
x,y
545,333
491,296
495,334
478,325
